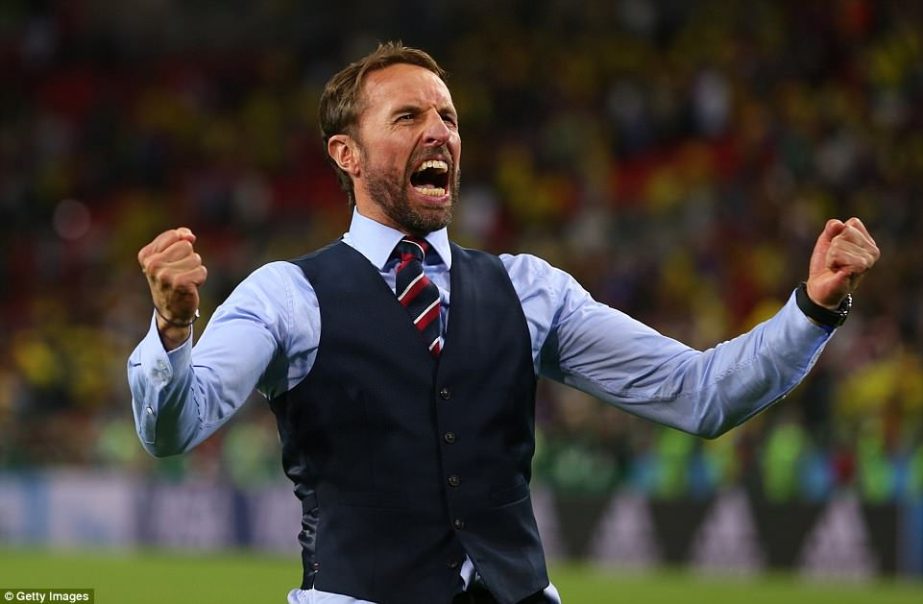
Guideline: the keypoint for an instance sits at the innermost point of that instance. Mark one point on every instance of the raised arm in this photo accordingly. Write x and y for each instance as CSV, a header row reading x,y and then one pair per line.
x,y
180,394
610,355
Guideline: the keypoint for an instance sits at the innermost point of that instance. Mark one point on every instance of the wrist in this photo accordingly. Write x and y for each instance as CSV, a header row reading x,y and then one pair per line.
x,y
822,315
172,322
173,337
174,333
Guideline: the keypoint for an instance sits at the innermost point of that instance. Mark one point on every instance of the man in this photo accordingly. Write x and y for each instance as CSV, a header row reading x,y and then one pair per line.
x,y
402,368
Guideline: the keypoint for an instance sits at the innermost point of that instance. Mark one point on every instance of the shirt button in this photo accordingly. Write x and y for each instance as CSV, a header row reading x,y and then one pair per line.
x,y
458,523
454,480
453,564
445,394
449,437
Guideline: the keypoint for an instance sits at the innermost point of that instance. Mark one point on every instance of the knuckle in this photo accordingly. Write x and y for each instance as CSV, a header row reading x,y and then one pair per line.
x,y
164,276
184,247
150,265
163,240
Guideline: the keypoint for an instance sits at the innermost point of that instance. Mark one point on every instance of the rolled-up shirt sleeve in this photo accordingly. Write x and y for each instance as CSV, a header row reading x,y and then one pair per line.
x,y
604,352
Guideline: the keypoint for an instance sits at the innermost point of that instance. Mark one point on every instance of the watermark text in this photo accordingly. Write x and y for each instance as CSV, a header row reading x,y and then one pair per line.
x,y
44,596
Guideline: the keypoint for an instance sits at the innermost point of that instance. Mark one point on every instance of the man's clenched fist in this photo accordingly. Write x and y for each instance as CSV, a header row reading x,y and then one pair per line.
x,y
843,253
174,273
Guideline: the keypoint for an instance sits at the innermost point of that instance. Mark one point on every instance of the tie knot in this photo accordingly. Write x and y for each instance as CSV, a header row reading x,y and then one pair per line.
x,y
411,247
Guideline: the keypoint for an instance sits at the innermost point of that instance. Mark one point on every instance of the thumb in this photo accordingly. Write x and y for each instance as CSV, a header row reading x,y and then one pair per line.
x,y
818,262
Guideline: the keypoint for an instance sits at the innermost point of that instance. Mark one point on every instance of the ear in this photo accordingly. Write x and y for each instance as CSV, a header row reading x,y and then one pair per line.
x,y
344,150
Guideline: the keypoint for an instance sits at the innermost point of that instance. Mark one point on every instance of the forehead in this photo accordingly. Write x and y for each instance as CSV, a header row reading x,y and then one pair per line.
x,y
404,84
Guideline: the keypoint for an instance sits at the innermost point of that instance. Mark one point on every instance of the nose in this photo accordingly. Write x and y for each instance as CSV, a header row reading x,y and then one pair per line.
x,y
436,132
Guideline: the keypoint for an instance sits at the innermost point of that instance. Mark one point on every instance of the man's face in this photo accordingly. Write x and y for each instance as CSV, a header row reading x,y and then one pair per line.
x,y
409,149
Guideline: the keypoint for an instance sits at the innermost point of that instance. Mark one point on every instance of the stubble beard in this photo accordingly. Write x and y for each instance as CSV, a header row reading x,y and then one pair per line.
x,y
388,188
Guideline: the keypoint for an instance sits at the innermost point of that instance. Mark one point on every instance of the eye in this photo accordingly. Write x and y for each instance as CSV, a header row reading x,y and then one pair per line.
x,y
405,117
450,119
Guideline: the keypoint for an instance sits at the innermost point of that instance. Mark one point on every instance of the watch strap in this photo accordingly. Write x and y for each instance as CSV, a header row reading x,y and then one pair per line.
x,y
820,314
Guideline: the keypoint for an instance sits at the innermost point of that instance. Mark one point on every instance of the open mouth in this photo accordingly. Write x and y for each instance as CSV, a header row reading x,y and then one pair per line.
x,y
431,178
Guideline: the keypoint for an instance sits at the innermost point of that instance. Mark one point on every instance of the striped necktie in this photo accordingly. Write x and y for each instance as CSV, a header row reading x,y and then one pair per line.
x,y
417,293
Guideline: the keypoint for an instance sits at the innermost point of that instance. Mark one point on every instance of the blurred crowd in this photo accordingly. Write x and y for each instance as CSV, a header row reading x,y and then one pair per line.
x,y
678,158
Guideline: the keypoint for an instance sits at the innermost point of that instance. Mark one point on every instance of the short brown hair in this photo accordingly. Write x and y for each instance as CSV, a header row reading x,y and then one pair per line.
x,y
340,102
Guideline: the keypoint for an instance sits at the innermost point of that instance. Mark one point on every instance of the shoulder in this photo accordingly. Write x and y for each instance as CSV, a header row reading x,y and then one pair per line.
x,y
526,263
279,279
275,272
532,270
536,279
513,264
273,295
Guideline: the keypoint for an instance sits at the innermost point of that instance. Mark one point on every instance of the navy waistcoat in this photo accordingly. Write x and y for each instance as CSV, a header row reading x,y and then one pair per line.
x,y
404,463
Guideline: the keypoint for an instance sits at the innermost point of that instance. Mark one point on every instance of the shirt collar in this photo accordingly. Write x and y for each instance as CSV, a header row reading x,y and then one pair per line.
x,y
376,241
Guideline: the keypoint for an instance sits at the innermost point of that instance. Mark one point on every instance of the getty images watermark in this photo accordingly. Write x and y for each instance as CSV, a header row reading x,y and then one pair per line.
x,y
47,595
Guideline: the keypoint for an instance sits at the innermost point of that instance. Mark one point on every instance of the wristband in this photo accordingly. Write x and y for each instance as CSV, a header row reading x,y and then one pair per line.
x,y
819,314
175,323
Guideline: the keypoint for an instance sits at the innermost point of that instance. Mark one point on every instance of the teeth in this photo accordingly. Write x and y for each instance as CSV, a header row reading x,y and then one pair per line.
x,y
436,164
431,191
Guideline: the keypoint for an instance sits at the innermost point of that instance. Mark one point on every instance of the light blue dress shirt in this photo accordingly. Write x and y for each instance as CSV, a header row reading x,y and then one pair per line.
x,y
265,336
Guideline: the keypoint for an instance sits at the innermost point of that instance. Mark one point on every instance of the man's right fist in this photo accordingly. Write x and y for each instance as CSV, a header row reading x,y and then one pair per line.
x,y
174,273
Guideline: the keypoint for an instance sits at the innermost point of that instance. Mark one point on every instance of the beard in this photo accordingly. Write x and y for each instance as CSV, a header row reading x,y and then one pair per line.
x,y
388,188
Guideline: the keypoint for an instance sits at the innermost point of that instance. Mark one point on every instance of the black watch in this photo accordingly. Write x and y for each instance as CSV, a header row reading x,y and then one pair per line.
x,y
824,316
